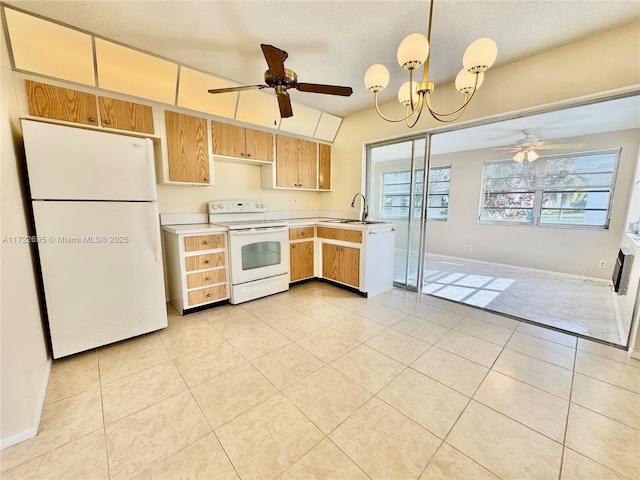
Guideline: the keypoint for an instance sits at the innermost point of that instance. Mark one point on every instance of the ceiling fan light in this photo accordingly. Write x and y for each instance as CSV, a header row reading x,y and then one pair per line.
x,y
466,80
532,156
480,55
413,51
404,94
376,78
519,157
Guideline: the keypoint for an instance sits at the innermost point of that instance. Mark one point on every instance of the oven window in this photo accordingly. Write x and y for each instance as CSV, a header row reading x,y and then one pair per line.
x,y
260,254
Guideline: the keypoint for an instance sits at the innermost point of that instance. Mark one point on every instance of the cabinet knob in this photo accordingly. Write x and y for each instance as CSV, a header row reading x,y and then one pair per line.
x,y
242,154
108,122
205,179
92,119
206,242
208,294
208,278
248,154
206,261
293,246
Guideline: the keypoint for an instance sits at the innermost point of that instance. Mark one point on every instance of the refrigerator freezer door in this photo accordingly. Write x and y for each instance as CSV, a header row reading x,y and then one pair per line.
x,y
68,163
103,278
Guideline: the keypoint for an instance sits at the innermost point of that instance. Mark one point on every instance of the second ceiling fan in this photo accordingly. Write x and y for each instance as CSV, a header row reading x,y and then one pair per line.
x,y
281,79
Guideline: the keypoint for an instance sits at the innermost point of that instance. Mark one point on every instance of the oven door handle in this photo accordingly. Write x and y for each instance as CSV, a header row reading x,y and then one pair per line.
x,y
256,231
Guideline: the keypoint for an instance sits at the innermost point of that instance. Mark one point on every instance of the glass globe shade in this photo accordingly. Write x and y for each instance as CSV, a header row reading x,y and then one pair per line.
x,y
480,55
404,93
376,78
465,81
413,51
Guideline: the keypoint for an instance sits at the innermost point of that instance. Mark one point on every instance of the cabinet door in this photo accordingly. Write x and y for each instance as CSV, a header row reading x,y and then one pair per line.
x,y
324,166
259,144
228,140
187,148
286,165
301,260
126,115
307,164
330,261
60,103
350,266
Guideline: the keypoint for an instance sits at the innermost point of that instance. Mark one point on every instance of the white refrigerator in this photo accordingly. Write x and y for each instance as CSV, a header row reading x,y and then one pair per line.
x,y
98,234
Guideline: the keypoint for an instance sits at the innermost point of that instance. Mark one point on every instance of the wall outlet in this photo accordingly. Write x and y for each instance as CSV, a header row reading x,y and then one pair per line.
x,y
294,200
469,248
602,264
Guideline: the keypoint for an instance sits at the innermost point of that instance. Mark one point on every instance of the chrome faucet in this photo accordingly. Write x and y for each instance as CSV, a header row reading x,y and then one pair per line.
x,y
365,212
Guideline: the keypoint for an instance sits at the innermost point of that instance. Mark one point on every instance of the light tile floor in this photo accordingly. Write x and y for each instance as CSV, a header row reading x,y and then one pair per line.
x,y
319,383
569,303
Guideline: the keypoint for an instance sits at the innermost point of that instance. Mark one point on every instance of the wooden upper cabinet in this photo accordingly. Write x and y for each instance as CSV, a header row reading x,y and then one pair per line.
x,y
296,162
59,103
324,166
240,142
227,139
126,115
187,148
259,144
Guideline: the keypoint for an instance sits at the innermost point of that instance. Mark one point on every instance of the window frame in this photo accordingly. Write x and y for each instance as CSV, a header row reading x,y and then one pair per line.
x,y
539,190
417,203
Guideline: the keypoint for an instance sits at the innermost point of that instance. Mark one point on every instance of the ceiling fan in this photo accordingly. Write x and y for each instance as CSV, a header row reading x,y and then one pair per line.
x,y
281,79
526,147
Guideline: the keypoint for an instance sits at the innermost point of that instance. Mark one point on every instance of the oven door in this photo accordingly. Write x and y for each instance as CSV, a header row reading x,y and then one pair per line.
x,y
258,253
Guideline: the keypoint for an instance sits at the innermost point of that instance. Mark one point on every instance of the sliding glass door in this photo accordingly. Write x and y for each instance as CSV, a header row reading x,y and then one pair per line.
x,y
395,190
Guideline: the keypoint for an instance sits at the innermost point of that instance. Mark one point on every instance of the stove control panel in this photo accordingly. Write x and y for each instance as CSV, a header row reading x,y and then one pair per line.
x,y
237,206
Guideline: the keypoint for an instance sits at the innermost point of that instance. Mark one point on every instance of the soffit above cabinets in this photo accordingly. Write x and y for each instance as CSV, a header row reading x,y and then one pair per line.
x,y
192,93
124,70
50,49
304,120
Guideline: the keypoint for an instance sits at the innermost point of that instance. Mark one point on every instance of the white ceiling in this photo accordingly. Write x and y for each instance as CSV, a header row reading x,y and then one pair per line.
x,y
334,42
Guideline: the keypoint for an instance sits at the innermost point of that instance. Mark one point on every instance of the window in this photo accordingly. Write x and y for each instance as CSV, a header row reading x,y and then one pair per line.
x,y
396,188
570,190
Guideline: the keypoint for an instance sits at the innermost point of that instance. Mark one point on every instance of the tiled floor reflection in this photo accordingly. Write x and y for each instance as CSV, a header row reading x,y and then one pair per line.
x,y
320,383
568,303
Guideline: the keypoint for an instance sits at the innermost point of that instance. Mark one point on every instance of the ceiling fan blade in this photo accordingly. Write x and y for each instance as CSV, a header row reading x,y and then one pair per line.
x,y
275,59
559,146
237,89
284,102
326,89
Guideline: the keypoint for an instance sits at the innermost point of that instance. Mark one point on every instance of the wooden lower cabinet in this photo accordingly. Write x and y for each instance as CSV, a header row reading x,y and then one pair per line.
x,y
302,260
341,264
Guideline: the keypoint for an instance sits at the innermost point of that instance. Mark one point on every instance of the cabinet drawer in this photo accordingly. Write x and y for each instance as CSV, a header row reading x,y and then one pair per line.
x,y
204,242
301,233
201,262
210,277
342,234
206,295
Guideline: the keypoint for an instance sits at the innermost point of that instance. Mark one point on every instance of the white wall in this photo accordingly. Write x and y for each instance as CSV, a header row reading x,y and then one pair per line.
x,y
24,362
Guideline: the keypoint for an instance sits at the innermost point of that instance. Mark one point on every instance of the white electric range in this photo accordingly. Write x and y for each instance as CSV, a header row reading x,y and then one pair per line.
x,y
258,248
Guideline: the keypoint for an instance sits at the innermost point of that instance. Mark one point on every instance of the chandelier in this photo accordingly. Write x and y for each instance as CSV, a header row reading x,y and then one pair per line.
x,y
414,52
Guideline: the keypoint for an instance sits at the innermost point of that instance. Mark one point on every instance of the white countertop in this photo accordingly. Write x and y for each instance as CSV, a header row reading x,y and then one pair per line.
x,y
197,228
203,228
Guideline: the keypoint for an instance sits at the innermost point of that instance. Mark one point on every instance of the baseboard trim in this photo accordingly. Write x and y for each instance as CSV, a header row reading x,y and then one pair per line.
x,y
33,430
